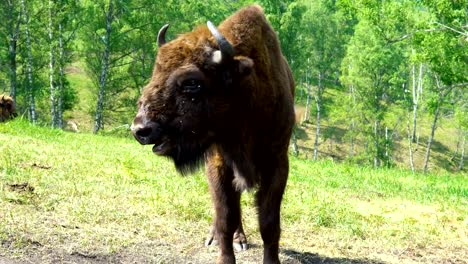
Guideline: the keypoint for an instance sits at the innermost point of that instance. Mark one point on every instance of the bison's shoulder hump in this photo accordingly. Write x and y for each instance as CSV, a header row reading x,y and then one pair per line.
x,y
247,16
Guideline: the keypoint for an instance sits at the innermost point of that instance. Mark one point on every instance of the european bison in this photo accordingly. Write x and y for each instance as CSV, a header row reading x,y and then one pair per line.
x,y
225,96
7,108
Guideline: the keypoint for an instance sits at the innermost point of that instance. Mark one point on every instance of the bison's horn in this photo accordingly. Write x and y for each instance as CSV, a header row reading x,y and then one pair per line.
x,y
227,51
162,35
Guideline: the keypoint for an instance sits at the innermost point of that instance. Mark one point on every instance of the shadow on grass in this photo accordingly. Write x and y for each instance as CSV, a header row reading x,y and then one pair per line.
x,y
334,133
301,133
441,156
312,258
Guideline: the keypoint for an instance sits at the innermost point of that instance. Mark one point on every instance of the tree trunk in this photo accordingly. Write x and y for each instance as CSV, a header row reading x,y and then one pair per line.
x,y
351,140
318,100
13,33
12,67
307,110
410,145
53,89
387,151
462,155
30,82
431,138
61,62
376,144
417,91
294,146
98,124
353,123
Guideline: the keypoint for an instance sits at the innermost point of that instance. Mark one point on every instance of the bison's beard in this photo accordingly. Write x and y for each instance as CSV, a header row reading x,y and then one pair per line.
x,y
187,155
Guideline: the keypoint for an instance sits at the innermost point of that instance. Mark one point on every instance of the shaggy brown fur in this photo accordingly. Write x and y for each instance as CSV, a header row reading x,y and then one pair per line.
x,y
236,115
7,108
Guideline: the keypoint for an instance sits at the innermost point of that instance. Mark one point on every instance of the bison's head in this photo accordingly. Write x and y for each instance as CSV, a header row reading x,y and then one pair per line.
x,y
7,108
186,106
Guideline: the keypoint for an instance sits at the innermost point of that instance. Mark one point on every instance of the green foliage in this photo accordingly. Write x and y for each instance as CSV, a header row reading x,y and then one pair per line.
x,y
357,56
373,67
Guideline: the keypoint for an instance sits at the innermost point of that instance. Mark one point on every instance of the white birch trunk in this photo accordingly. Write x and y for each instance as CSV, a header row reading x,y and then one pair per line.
x,y
13,33
53,90
462,156
417,92
318,100
98,124
307,110
410,145
376,144
29,67
353,123
386,145
61,78
295,148
431,138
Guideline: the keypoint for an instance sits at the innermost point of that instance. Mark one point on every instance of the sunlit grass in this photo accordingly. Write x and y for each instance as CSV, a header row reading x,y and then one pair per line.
x,y
103,194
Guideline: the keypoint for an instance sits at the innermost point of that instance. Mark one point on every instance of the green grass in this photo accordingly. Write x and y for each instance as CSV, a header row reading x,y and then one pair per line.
x,y
110,197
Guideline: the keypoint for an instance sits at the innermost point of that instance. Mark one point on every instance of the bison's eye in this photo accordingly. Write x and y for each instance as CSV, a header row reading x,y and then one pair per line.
x,y
192,86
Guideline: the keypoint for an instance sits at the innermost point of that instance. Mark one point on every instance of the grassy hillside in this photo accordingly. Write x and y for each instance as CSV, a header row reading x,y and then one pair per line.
x,y
334,143
81,198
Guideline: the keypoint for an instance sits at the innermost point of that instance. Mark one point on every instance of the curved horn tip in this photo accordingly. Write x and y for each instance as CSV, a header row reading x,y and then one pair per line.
x,y
210,25
162,35
224,45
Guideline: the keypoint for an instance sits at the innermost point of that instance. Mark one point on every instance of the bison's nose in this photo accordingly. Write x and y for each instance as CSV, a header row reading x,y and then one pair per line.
x,y
146,133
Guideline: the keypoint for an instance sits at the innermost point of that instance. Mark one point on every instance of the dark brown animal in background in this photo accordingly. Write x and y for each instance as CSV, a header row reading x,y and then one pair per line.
x,y
7,108
225,96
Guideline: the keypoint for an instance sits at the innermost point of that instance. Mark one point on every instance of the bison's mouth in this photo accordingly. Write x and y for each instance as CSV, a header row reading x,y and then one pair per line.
x,y
162,148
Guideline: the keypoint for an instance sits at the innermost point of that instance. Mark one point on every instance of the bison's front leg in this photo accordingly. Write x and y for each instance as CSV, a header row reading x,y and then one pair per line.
x,y
226,202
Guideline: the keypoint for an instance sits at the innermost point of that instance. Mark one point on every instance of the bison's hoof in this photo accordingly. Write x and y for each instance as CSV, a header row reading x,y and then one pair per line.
x,y
211,241
240,241
240,246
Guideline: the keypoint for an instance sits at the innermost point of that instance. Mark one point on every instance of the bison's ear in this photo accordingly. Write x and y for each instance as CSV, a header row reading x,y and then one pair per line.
x,y
244,65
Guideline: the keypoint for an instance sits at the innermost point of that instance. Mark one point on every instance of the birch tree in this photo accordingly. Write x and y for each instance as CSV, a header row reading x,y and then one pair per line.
x,y
98,121
97,35
11,16
62,24
52,74
326,41
417,74
30,90
442,93
446,53
372,67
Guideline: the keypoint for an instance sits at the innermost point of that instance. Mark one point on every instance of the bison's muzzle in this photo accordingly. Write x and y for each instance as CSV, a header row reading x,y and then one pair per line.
x,y
150,133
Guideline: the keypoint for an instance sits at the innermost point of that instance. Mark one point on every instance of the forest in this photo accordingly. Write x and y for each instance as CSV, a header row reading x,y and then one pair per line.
x,y
386,76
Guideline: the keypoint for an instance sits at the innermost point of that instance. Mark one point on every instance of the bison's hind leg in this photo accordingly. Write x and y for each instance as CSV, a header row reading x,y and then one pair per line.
x,y
239,241
268,201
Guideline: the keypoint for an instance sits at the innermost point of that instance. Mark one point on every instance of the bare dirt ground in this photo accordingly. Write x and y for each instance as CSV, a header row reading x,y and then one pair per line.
x,y
164,253
188,252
